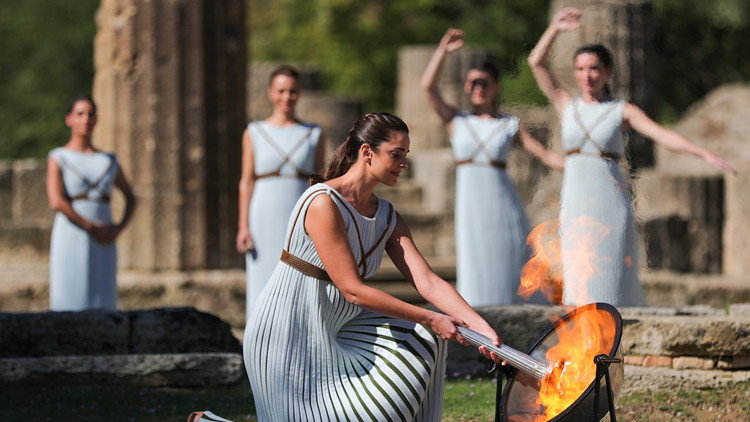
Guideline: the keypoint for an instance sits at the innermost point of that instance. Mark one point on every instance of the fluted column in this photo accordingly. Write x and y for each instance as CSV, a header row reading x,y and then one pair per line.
x,y
170,85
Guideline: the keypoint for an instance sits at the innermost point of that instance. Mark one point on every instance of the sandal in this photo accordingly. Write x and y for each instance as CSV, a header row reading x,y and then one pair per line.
x,y
205,416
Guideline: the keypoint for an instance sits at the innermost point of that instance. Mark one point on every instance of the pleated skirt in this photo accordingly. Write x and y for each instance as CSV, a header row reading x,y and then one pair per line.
x,y
491,228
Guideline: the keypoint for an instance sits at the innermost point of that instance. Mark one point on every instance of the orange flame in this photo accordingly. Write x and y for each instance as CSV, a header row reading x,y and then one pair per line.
x,y
544,271
589,334
541,272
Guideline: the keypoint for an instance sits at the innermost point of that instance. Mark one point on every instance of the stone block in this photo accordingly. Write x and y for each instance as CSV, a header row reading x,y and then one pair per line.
x,y
684,221
152,370
692,362
734,362
96,332
30,206
63,333
179,330
660,361
740,310
634,360
686,336
25,243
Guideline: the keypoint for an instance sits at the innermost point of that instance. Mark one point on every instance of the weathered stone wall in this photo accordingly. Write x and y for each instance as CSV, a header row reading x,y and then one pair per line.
x,y
25,217
720,122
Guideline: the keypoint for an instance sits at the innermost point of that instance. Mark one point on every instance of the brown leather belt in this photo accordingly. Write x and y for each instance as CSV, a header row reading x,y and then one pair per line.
x,y
104,198
604,154
492,163
277,173
303,266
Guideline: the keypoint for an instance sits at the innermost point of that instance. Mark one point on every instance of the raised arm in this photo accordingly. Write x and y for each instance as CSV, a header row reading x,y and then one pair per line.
x,y
532,146
244,242
451,41
641,123
565,20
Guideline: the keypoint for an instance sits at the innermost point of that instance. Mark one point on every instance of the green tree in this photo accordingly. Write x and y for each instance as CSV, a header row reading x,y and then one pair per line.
x,y
355,43
699,45
47,58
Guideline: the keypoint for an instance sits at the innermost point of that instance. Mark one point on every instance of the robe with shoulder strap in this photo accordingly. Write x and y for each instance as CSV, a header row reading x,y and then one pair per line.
x,y
313,356
284,157
490,221
597,225
83,272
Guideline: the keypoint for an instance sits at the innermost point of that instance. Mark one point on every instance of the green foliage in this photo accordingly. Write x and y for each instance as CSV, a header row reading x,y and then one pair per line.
x,y
47,59
699,45
47,48
355,43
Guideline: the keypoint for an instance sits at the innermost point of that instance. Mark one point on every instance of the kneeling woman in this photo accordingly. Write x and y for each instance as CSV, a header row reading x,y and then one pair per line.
x,y
322,345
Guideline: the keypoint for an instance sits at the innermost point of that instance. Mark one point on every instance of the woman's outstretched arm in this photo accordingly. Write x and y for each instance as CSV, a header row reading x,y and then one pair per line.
x,y
565,20
641,123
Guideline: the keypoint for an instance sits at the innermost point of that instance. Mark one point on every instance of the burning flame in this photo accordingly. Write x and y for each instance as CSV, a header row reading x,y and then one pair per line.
x,y
541,272
585,335
544,270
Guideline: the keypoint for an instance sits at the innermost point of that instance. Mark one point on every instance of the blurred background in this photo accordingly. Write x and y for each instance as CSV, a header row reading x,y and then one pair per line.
x,y
47,51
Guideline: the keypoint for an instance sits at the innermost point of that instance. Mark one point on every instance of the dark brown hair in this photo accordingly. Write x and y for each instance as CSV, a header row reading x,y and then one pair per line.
x,y
372,129
285,70
81,97
599,50
486,63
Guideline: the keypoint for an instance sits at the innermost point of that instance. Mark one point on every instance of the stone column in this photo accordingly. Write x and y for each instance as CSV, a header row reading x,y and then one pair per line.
x,y
624,27
170,85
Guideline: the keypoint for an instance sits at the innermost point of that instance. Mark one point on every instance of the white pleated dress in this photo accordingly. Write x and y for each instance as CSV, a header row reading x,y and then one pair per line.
x,y
490,223
83,272
313,356
597,224
284,157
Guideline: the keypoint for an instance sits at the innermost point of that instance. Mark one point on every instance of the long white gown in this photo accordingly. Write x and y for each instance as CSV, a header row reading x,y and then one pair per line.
x,y
83,272
597,224
313,356
491,225
284,157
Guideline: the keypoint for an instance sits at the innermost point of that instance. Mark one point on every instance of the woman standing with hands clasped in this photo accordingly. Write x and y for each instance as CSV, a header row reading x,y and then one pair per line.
x,y
83,257
323,345
490,221
279,154
595,200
